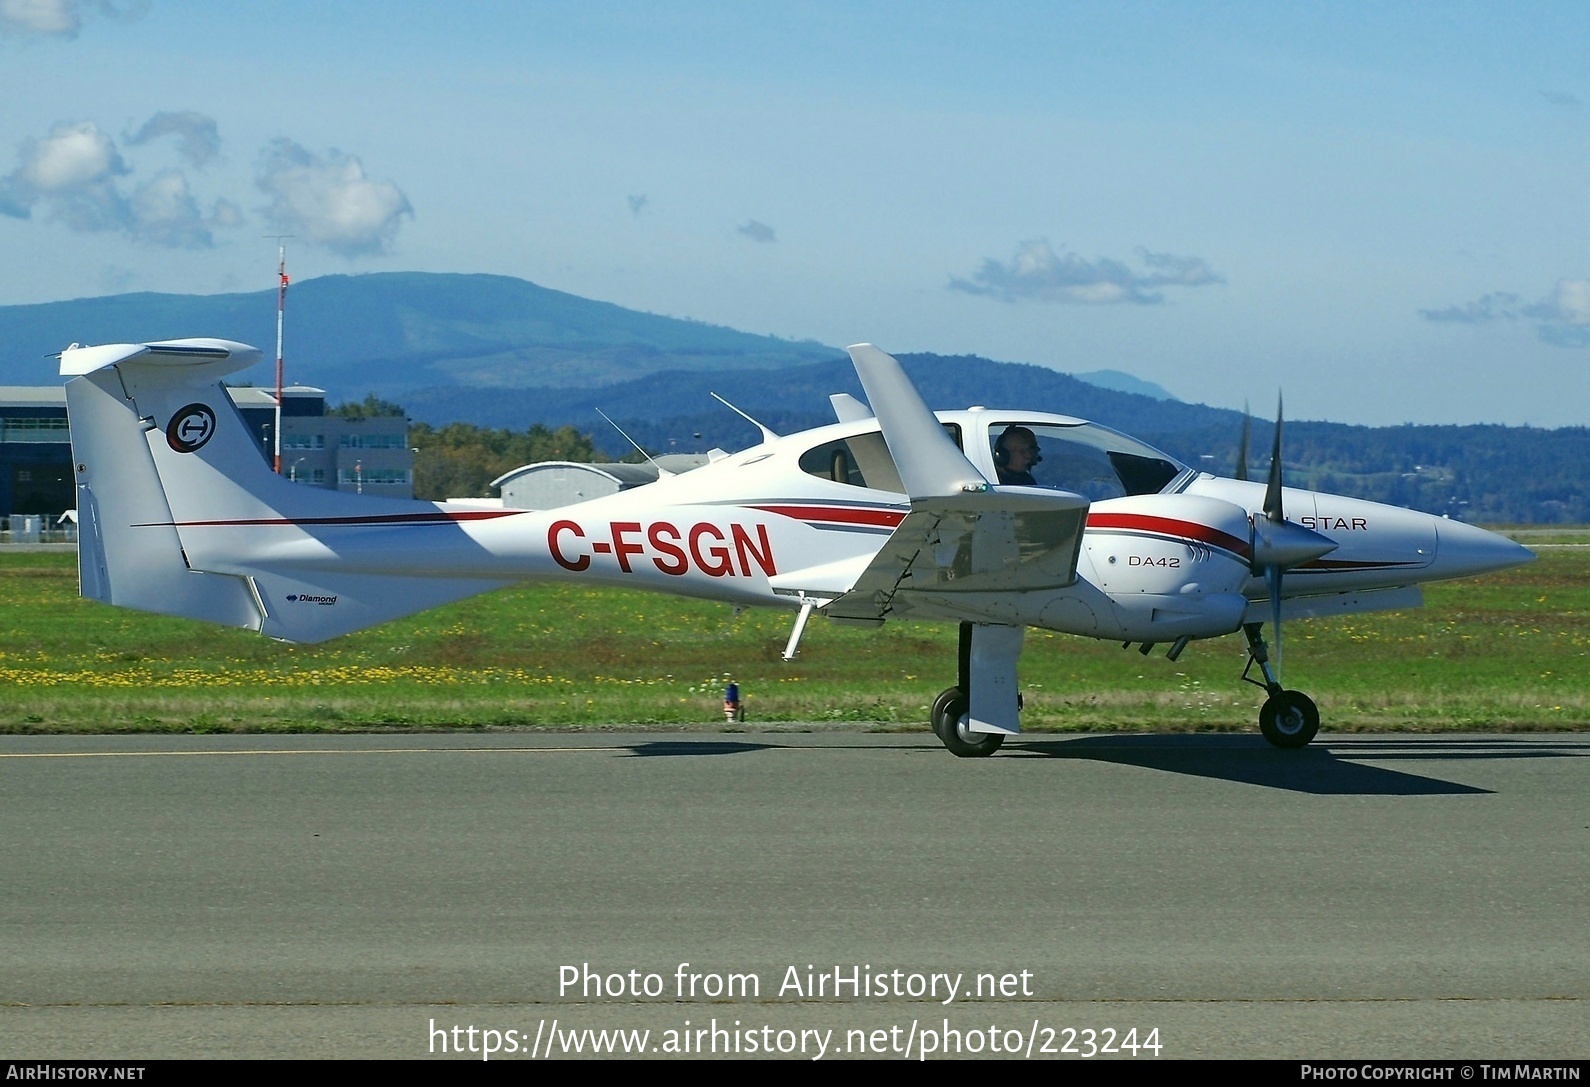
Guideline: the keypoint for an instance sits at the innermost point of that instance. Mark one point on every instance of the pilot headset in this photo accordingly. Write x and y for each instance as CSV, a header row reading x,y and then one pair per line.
x,y
1002,455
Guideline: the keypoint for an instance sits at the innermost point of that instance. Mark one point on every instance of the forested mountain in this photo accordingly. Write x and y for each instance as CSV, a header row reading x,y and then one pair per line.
x,y
1492,474
503,353
396,331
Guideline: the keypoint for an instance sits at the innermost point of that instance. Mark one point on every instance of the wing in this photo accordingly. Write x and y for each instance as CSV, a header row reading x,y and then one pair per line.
x,y
1005,539
963,534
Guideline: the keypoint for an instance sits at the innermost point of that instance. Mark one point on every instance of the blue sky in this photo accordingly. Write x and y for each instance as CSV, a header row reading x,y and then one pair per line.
x,y
1382,209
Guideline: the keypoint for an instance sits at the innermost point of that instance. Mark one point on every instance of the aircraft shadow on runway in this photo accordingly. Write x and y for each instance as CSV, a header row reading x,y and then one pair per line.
x,y
1327,768
1460,747
662,748
1248,759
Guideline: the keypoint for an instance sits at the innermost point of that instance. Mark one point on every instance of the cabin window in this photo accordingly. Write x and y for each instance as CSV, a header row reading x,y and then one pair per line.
x,y
861,461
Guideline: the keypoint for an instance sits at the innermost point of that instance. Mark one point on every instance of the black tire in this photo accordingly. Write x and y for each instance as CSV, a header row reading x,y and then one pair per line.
x,y
1289,719
936,715
948,726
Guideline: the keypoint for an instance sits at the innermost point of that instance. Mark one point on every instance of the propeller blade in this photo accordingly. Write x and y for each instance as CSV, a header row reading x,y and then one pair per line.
x,y
1242,444
1272,492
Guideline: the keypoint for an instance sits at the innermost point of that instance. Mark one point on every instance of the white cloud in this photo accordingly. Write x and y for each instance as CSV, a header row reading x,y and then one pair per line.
x,y
60,18
1564,315
1037,273
1172,270
1562,318
164,212
1496,306
72,156
758,232
71,175
1568,304
71,171
225,215
328,200
75,175
198,137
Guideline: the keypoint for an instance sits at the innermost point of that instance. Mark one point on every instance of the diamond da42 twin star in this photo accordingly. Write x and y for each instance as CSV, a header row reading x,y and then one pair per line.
x,y
995,520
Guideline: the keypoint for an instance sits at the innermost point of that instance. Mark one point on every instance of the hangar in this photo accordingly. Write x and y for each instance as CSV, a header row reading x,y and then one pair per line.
x,y
550,484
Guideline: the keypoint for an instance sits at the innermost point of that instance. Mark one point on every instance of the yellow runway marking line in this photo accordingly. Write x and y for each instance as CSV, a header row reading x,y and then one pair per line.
x,y
309,751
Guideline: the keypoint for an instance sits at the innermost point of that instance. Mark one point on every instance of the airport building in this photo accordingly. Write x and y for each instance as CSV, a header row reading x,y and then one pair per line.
x,y
35,452
551,484
368,456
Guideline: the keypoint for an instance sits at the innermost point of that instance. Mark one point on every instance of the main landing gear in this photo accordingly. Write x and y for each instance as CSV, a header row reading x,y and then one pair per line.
x,y
952,711
1287,718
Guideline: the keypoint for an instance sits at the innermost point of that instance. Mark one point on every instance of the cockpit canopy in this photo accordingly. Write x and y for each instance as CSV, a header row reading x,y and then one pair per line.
x,y
1085,458
1091,460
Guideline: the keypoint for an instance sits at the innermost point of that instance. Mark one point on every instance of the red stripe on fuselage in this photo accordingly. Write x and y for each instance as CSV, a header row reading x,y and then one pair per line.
x,y
440,517
1170,526
845,515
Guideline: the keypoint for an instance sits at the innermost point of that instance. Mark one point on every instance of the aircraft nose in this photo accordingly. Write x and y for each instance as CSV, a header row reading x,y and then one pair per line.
x,y
1464,550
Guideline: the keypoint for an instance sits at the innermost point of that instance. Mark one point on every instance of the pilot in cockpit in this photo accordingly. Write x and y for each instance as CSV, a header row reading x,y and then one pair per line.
x,y
1015,454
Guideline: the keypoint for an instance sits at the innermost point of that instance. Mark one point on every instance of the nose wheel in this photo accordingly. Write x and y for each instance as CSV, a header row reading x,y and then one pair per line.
x,y
1288,719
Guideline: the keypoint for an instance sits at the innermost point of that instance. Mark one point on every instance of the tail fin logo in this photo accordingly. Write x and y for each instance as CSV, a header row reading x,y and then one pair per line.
x,y
190,428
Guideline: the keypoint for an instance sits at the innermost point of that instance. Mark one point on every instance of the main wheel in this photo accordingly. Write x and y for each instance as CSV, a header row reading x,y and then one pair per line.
x,y
940,704
949,724
1289,719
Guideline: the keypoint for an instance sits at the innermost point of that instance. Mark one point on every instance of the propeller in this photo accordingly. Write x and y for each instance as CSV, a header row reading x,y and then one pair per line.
x,y
1279,544
1242,445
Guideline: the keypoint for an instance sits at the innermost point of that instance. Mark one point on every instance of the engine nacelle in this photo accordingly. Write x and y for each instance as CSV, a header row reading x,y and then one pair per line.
x,y
1170,565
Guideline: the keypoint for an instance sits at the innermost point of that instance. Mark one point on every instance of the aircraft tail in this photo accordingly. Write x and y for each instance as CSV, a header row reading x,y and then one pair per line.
x,y
179,514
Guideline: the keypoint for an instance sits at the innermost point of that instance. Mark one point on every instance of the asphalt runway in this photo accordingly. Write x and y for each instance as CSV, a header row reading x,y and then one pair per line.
x,y
1387,896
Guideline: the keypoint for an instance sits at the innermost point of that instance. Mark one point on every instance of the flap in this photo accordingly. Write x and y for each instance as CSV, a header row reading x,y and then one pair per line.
x,y
1004,539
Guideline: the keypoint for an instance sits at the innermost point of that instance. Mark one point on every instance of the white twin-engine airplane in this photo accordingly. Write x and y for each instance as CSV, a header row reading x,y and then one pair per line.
x,y
996,520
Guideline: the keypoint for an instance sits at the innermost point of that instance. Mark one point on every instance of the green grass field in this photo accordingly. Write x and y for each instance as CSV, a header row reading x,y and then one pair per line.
x,y
1505,652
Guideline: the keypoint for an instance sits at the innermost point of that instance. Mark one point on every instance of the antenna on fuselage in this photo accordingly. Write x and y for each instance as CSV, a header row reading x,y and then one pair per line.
x,y
661,471
767,433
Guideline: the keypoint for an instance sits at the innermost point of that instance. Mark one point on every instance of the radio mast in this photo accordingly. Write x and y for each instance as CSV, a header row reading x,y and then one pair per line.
x,y
281,307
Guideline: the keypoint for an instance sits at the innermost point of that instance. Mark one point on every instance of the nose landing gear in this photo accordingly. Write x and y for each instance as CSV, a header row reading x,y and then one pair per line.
x,y
1288,719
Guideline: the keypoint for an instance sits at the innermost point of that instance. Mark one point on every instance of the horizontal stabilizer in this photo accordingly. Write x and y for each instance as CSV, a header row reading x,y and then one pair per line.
x,y
218,357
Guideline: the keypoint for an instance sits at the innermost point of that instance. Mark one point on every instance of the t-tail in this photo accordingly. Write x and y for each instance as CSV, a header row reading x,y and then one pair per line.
x,y
179,513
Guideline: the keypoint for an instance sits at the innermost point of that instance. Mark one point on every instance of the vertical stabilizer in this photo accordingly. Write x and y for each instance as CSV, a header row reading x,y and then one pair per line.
x,y
181,515
118,488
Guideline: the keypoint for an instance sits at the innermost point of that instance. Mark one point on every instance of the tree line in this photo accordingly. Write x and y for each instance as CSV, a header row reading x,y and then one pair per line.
x,y
1484,474
460,460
